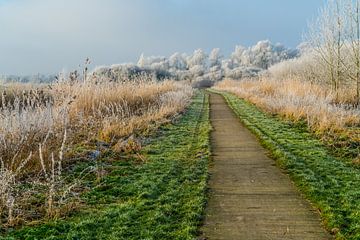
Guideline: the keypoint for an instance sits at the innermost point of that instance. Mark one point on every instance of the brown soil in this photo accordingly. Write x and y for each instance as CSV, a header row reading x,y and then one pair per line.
x,y
250,197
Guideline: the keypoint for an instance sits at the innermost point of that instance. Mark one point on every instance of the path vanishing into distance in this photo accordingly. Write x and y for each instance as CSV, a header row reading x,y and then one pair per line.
x,y
250,197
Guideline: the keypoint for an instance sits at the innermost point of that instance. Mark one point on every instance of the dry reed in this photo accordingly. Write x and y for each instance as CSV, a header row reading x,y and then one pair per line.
x,y
40,124
326,113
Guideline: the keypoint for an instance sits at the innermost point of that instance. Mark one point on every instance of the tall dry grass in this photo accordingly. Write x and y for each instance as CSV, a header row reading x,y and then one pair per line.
x,y
39,125
326,112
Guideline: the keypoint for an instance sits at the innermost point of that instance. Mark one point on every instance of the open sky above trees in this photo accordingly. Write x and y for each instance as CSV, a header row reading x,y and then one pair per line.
x,y
40,36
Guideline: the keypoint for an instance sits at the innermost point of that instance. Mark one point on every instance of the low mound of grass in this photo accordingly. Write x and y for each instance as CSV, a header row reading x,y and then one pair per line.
x,y
160,197
330,183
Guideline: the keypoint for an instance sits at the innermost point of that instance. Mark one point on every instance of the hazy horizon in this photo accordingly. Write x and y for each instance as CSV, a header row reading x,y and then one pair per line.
x,y
47,36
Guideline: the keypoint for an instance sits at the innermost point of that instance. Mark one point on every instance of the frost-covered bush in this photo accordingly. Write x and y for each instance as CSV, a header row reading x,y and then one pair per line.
x,y
304,67
249,62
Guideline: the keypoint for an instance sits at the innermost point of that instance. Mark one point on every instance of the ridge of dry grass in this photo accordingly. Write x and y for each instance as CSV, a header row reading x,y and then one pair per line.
x,y
325,112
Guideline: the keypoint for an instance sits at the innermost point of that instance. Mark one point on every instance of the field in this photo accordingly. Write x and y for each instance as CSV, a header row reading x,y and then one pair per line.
x,y
263,143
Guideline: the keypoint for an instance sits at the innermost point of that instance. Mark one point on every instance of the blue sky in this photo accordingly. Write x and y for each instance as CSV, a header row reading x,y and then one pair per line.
x,y
46,36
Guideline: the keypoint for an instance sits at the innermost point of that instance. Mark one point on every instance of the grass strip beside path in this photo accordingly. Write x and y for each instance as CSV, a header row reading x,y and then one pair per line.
x,y
162,198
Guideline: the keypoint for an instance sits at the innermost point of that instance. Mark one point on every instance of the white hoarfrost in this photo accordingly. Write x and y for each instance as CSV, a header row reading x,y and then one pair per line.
x,y
202,67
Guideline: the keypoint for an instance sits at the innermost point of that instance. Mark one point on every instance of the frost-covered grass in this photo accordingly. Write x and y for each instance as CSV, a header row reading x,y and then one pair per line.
x,y
338,125
306,68
331,184
42,127
158,196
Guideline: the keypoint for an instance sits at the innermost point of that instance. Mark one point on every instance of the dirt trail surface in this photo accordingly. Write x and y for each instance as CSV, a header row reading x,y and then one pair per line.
x,y
250,198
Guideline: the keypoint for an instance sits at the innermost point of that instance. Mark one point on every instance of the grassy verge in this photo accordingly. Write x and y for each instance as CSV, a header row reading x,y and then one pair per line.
x,y
161,198
331,184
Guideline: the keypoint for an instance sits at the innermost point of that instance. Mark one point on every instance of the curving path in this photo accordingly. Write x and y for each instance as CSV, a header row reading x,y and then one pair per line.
x,y
250,198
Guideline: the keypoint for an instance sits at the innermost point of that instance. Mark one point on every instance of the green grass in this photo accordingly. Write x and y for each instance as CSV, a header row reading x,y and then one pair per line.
x,y
331,184
163,198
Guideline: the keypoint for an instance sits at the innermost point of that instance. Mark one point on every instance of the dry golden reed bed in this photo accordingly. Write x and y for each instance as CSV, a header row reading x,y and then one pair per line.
x,y
40,126
323,110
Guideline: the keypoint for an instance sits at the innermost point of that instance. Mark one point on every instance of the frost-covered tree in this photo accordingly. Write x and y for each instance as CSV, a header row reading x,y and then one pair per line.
x,y
141,62
249,62
177,61
198,58
215,58
335,39
197,63
326,36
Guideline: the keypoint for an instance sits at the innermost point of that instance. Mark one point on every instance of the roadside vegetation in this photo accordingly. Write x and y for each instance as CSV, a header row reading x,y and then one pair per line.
x,y
160,195
52,138
335,124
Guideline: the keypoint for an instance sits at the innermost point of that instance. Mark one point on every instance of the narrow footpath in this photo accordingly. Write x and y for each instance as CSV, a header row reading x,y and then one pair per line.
x,y
250,197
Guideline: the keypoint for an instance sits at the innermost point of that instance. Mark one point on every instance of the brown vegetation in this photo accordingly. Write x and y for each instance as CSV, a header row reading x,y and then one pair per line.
x,y
324,110
41,125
